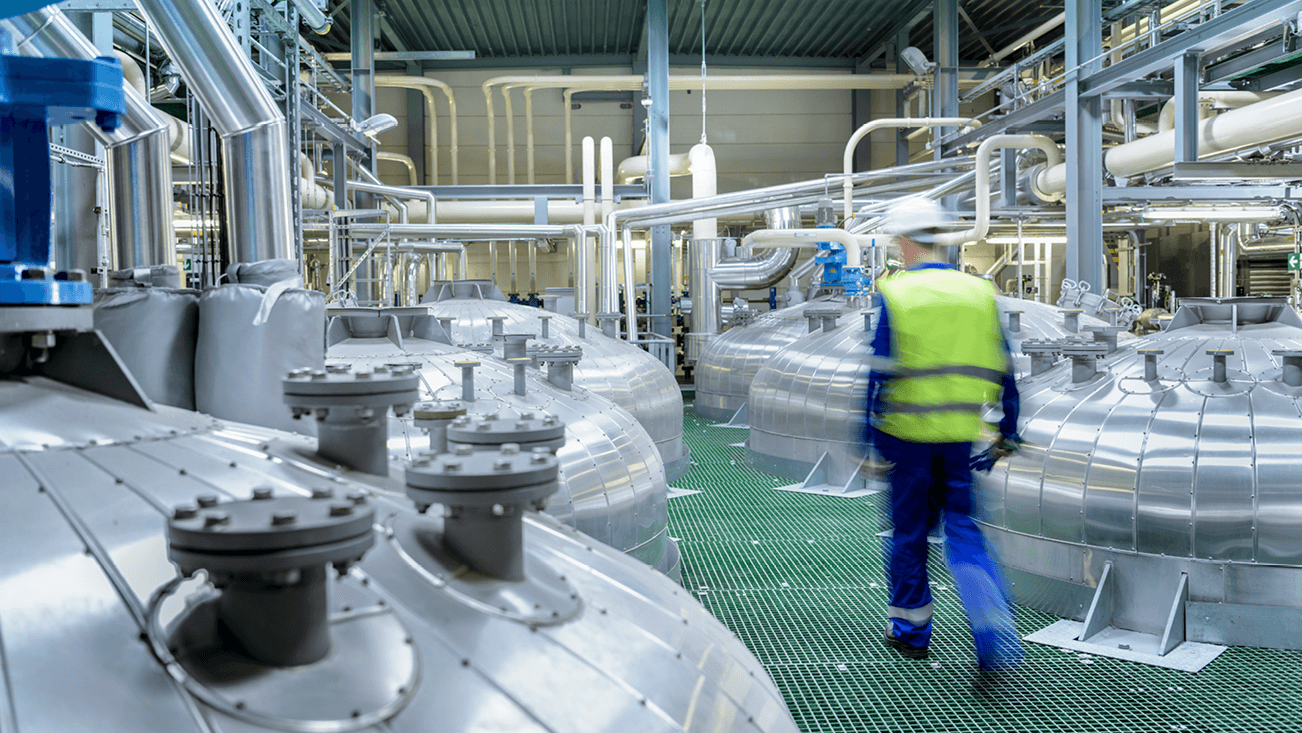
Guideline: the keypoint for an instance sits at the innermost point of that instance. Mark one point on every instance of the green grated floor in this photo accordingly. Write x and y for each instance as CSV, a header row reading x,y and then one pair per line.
x,y
799,578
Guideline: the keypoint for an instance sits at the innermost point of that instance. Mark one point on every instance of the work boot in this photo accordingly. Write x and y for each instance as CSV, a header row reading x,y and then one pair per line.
x,y
908,650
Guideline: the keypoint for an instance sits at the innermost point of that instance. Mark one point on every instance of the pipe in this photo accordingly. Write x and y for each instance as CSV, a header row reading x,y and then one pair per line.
x,y
705,253
809,239
997,142
847,158
405,160
1267,121
754,273
139,168
631,82
1231,235
1208,102
760,199
634,168
1030,37
585,259
609,275
258,207
426,87
313,18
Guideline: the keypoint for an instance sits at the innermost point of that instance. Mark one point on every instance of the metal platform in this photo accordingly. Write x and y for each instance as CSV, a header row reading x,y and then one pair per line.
x,y
799,578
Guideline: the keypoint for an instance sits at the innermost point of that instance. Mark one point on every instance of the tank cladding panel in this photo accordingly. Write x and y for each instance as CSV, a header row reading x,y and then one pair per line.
x,y
726,368
326,601
612,480
1173,454
611,368
808,399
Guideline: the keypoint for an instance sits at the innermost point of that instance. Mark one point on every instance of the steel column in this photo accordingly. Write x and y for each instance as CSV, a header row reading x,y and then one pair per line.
x,y
944,99
1084,116
901,136
362,17
657,76
1186,107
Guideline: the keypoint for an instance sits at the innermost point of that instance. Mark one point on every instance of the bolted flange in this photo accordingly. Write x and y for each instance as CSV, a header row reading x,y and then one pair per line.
x,y
1106,335
351,407
484,494
269,555
1084,359
827,318
528,430
435,417
1044,354
609,323
560,363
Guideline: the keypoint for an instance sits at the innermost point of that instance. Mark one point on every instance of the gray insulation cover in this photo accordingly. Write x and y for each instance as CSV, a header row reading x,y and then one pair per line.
x,y
154,331
239,366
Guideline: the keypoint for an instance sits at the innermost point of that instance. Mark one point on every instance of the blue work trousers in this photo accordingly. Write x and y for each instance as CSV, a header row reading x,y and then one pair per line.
x,y
928,481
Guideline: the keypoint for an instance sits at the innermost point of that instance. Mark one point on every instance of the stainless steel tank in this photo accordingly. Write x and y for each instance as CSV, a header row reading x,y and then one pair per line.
x,y
726,368
614,369
612,480
806,403
104,500
1173,461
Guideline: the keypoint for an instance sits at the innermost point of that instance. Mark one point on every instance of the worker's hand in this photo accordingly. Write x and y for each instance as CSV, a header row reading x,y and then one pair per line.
x,y
1006,445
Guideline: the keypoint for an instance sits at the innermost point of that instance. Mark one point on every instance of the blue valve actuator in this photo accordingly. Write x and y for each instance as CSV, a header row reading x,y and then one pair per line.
x,y
35,94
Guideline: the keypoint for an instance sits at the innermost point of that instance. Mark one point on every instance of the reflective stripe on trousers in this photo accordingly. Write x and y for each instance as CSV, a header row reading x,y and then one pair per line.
x,y
920,616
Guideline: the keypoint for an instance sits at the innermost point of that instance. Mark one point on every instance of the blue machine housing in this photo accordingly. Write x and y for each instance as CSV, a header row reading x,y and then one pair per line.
x,y
35,94
831,255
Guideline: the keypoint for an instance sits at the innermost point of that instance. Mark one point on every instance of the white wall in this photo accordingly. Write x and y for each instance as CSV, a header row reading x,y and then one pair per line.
x,y
760,138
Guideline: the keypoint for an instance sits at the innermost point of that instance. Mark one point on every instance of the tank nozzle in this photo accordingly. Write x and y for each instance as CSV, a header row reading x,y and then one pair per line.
x,y
1292,358
468,379
1218,364
1150,363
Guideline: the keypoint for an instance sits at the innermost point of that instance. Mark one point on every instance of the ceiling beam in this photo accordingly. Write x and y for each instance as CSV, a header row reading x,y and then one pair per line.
x,y
913,12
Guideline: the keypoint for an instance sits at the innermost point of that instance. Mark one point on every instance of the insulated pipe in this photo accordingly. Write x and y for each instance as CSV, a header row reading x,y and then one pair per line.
x,y
760,199
257,170
139,165
1208,102
809,239
847,158
1266,121
704,256
313,18
631,169
426,87
630,82
753,273
406,162
609,274
996,142
1035,33
585,257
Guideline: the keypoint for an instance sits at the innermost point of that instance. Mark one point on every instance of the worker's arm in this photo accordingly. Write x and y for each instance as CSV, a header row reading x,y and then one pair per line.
x,y
882,356
1011,400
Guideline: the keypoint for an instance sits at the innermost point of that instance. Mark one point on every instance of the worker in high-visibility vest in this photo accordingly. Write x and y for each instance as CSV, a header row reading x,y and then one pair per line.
x,y
939,359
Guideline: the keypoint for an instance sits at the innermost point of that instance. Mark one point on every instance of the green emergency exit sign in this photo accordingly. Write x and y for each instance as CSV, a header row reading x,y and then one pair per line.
x,y
1294,262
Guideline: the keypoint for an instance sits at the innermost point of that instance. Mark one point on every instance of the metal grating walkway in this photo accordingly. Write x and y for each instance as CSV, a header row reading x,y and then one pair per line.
x,y
799,578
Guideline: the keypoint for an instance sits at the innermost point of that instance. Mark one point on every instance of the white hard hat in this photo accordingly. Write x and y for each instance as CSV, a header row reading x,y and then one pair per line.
x,y
917,218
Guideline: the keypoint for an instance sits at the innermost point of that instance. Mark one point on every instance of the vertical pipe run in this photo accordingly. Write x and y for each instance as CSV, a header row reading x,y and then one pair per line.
x,y
609,274
257,160
585,261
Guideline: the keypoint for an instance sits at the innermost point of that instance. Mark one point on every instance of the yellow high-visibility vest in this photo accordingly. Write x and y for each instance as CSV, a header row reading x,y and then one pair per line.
x,y
948,355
